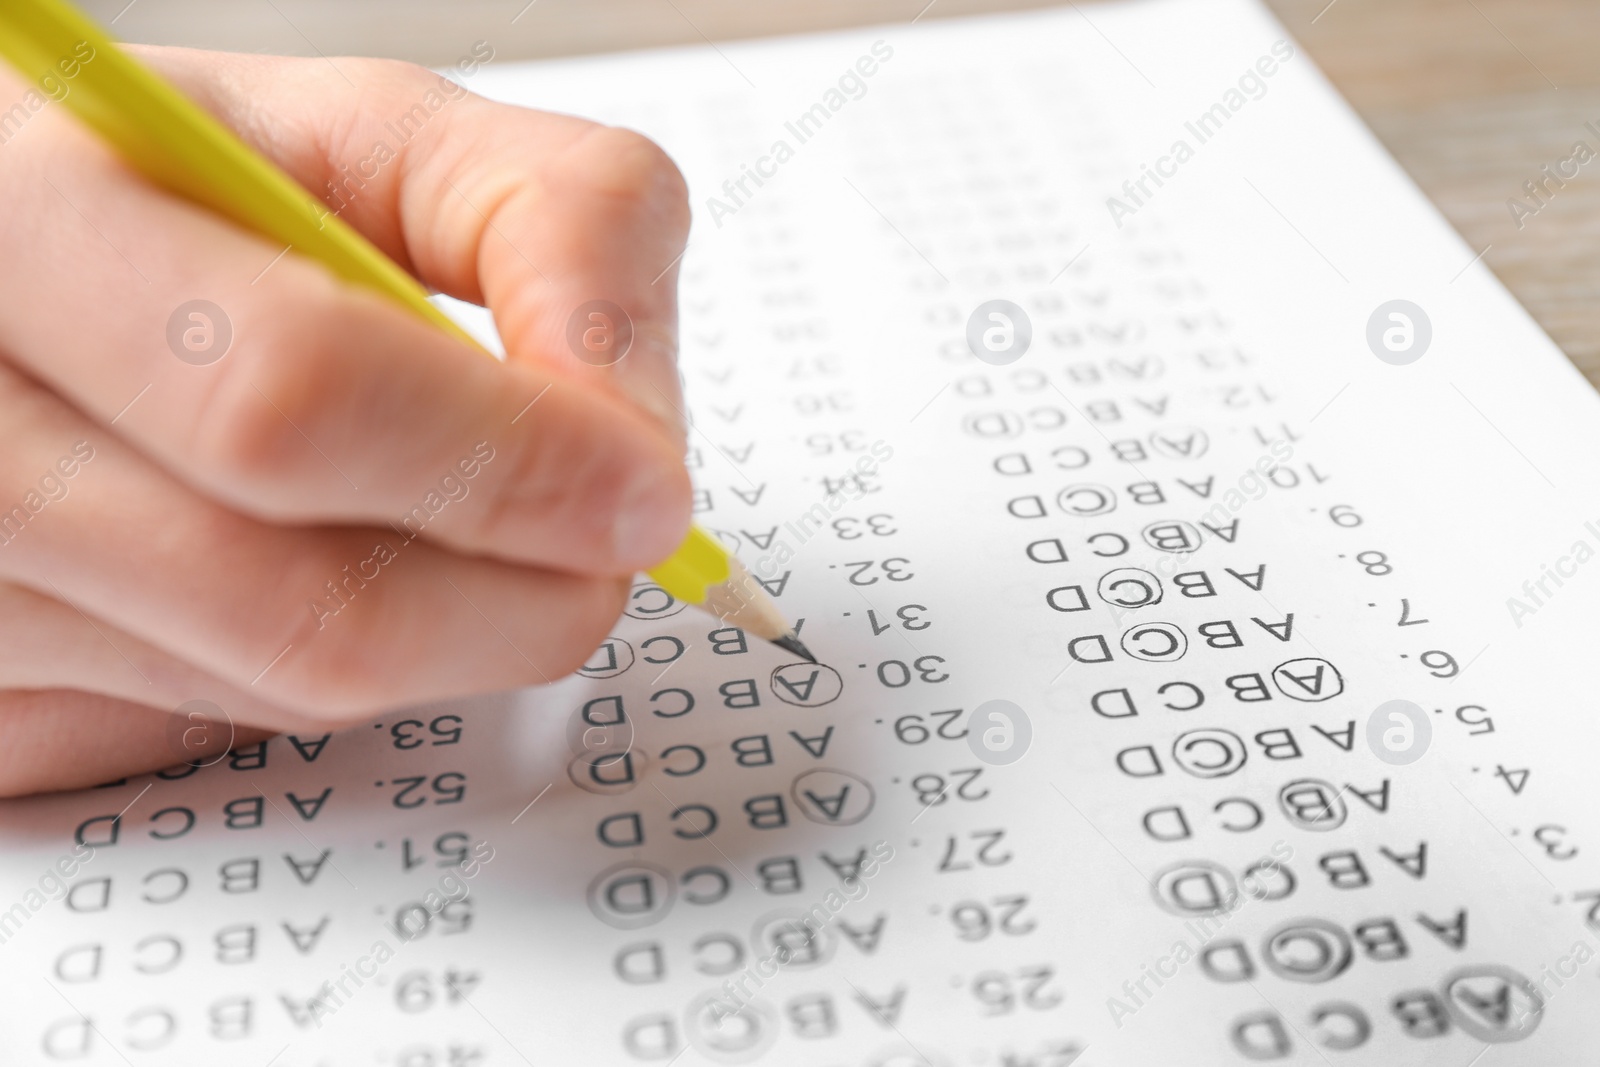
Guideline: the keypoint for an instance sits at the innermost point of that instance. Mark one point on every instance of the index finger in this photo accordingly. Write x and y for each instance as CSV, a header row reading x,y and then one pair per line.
x,y
570,232
333,405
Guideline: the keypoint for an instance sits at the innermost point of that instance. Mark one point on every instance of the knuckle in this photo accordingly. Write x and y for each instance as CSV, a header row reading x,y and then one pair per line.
x,y
272,393
400,77
626,165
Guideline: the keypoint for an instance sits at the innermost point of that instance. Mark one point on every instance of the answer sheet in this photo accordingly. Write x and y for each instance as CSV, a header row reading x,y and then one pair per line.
x,y
1195,537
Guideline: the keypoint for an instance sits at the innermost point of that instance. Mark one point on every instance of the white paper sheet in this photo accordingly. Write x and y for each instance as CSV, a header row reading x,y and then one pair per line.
x,y
1214,859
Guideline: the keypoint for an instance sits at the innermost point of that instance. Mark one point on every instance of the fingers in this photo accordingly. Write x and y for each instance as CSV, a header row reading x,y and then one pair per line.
x,y
327,622
289,398
545,218
327,404
59,739
46,643
616,243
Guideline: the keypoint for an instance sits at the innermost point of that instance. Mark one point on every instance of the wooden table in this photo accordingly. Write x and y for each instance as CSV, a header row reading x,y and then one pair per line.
x,y
1473,97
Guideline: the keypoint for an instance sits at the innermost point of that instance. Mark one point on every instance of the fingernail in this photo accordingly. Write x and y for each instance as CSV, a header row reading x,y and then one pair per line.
x,y
652,518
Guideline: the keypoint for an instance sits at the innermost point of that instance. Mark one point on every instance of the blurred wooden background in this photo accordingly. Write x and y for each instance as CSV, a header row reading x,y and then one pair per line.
x,y
1473,97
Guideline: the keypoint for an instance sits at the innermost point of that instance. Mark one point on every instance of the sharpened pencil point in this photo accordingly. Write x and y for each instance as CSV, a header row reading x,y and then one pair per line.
x,y
744,602
791,643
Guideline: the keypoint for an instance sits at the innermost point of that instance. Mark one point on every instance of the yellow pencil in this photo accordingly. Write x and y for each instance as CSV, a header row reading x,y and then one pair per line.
x,y
179,146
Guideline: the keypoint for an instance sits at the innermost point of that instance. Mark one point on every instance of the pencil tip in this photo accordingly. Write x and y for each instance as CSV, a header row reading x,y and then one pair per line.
x,y
791,643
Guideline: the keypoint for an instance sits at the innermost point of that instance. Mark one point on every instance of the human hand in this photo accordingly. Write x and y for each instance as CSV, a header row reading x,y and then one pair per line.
x,y
305,504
